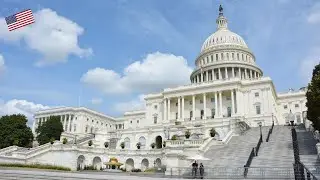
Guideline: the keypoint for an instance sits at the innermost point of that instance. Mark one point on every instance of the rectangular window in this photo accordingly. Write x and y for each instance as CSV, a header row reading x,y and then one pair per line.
x,y
228,98
137,121
155,119
211,58
298,117
190,102
258,109
212,99
216,57
201,101
155,107
176,115
256,94
285,107
296,105
176,104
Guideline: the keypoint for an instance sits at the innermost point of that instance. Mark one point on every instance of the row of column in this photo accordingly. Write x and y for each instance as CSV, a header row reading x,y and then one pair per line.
x,y
243,74
67,122
218,106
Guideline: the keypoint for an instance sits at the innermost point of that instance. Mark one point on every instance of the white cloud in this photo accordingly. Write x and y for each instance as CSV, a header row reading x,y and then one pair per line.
x,y
54,37
96,101
156,71
2,66
16,106
135,104
314,15
307,65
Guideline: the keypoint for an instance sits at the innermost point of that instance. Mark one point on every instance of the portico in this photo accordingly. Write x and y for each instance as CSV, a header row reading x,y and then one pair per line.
x,y
205,105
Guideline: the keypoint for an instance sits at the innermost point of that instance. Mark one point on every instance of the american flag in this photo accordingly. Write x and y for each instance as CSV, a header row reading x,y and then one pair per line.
x,y
20,19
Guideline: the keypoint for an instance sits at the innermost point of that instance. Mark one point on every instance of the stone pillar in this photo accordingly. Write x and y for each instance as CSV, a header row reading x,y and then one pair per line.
x,y
179,108
226,72
70,125
212,75
233,75
65,122
219,71
232,102
220,99
251,74
182,109
169,113
204,106
207,76
165,109
245,73
193,107
201,77
215,104
197,78
240,76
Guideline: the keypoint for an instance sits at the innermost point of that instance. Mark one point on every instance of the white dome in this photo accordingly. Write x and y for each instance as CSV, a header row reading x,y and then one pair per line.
x,y
223,37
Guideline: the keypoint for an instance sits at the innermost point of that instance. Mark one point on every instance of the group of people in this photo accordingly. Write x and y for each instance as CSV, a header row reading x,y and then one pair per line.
x,y
195,168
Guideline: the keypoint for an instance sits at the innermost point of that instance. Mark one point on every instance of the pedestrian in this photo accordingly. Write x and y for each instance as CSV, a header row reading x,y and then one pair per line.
x,y
201,170
194,169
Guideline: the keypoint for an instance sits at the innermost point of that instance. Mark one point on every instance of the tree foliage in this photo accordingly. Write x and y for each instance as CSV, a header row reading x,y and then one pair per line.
x,y
50,129
313,98
14,131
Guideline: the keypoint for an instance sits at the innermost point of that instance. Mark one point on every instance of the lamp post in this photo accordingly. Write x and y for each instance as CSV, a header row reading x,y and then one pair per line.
x,y
260,125
291,118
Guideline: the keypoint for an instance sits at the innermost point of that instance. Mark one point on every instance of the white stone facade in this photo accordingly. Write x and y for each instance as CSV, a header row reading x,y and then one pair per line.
x,y
226,87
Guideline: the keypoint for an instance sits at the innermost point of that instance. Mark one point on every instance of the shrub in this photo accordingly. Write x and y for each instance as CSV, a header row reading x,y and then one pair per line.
x,y
106,144
122,145
187,134
36,166
212,132
52,140
174,137
123,169
138,145
136,170
164,144
65,140
90,143
150,170
153,145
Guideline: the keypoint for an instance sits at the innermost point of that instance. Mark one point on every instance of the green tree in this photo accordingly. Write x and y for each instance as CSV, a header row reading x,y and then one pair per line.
x,y
14,131
313,98
52,128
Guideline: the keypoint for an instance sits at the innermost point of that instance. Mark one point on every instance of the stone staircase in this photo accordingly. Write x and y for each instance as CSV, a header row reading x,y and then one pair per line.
x,y
236,152
278,151
307,151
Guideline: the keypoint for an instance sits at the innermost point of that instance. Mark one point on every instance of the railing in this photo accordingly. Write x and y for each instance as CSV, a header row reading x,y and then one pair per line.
x,y
247,165
270,132
258,145
304,172
231,173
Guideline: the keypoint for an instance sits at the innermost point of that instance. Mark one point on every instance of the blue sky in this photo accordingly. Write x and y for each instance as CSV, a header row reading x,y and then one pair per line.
x,y
112,52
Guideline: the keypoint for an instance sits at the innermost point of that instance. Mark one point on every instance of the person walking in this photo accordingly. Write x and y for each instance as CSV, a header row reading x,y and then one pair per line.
x,y
201,170
194,169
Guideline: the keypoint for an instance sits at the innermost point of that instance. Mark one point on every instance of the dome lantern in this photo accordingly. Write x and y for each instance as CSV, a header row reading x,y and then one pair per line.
x,y
221,21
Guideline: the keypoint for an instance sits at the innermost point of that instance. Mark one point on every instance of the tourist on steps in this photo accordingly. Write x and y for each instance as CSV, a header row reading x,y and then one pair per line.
x,y
194,169
201,170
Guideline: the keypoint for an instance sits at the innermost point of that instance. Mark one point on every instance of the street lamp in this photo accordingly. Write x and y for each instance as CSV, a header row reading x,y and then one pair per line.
x,y
260,124
291,118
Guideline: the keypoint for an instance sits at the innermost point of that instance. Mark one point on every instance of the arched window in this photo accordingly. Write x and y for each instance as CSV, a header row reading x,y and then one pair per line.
x,y
127,143
142,141
217,57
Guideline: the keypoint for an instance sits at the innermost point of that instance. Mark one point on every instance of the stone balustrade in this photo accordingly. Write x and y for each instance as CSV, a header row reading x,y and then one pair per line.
x,y
185,143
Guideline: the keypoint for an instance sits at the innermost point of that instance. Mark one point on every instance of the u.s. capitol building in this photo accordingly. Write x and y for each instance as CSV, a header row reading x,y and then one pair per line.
x,y
228,93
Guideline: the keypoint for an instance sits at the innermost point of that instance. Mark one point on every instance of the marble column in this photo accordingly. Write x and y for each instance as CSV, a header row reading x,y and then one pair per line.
x,y
179,108
240,76
215,104
245,73
197,78
182,109
226,72
193,107
165,109
70,124
219,71
251,74
220,100
207,76
232,102
204,106
212,75
169,112
233,75
65,122
201,77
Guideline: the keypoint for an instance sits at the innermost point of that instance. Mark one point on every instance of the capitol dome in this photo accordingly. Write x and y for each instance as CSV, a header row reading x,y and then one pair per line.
x,y
224,55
